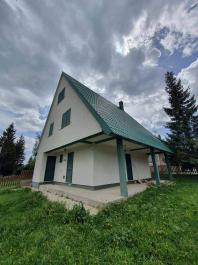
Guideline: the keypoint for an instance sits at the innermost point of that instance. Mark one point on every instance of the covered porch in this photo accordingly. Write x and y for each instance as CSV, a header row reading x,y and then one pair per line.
x,y
125,154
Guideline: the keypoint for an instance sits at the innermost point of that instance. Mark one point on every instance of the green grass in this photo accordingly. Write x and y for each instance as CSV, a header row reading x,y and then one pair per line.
x,y
158,226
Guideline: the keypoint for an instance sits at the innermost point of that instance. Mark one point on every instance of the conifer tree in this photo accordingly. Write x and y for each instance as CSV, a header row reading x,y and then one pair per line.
x,y
31,162
12,153
20,153
8,152
183,128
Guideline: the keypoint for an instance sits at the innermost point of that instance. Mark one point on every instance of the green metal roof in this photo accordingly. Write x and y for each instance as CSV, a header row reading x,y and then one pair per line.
x,y
114,120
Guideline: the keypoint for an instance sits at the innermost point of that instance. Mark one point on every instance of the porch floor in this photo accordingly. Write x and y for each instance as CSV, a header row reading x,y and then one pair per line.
x,y
92,198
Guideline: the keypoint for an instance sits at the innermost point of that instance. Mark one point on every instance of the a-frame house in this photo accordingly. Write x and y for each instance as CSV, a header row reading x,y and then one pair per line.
x,y
87,141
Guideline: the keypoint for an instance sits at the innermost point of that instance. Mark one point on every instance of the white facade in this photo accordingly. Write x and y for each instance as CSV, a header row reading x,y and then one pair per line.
x,y
94,165
97,165
82,125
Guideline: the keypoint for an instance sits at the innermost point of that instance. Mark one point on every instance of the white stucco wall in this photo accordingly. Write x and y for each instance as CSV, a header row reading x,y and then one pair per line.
x,y
83,170
96,165
106,169
60,168
82,124
82,166
140,165
105,165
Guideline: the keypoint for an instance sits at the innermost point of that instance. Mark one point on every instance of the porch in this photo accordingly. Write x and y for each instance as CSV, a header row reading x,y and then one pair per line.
x,y
101,160
90,198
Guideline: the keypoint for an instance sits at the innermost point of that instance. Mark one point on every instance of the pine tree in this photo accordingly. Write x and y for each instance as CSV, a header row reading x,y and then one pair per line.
x,y
20,153
8,152
35,147
31,162
183,122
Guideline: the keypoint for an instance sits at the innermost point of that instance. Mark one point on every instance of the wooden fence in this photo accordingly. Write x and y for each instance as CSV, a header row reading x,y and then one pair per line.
x,y
174,169
176,172
17,180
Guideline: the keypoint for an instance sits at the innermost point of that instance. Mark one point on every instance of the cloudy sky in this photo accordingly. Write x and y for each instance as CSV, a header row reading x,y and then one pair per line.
x,y
121,49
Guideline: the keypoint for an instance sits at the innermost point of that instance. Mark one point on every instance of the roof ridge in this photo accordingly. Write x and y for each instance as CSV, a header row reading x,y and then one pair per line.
x,y
97,94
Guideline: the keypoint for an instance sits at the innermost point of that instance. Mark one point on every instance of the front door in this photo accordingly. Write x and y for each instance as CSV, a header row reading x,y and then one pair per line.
x,y
50,168
69,172
129,167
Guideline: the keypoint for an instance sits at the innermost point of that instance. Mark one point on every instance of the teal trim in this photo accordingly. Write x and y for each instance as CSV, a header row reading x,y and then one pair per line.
x,y
138,149
69,171
155,167
104,140
50,168
86,142
66,118
168,166
129,167
122,168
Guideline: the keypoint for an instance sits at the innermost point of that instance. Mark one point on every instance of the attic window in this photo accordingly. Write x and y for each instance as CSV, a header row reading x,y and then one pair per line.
x,y
66,118
51,129
61,95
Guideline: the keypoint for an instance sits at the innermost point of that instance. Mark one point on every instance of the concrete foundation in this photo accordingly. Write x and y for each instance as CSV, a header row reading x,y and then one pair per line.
x,y
93,198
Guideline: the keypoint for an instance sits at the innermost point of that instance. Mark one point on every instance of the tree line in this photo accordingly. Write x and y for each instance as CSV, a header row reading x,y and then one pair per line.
x,y
12,152
182,134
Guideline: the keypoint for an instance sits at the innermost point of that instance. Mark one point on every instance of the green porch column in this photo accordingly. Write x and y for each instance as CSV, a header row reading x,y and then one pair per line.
x,y
168,166
122,168
155,167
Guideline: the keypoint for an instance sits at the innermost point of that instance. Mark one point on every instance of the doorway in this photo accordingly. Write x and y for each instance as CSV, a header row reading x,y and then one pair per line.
x,y
129,167
69,171
50,168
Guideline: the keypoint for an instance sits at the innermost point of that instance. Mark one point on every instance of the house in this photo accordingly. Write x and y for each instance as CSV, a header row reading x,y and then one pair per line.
x,y
89,142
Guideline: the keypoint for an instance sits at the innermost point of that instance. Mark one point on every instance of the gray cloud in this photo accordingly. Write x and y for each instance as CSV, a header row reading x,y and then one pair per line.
x,y
109,45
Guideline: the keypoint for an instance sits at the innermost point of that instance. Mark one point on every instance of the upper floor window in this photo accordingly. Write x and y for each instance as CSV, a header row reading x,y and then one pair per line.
x,y
66,118
61,95
51,129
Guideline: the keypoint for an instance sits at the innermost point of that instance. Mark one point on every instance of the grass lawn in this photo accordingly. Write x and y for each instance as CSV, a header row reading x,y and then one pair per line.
x,y
158,226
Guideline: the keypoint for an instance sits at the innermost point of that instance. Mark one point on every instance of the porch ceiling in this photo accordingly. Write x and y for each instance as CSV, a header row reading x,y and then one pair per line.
x,y
128,146
99,138
103,139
